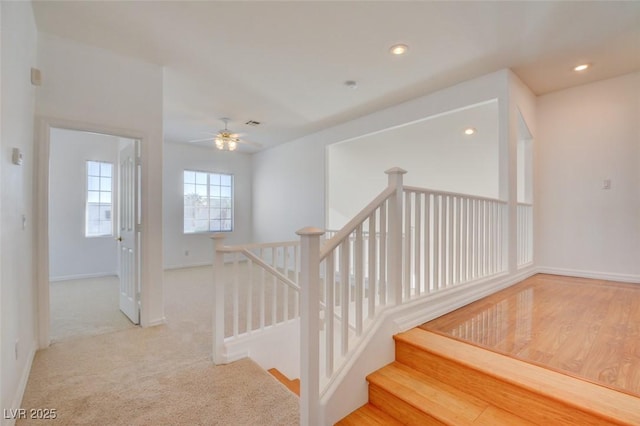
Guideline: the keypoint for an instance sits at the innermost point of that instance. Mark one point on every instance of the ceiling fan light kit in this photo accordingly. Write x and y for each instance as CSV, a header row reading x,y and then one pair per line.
x,y
225,140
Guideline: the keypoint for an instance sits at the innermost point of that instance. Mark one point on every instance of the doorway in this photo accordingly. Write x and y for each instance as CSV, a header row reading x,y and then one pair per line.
x,y
93,213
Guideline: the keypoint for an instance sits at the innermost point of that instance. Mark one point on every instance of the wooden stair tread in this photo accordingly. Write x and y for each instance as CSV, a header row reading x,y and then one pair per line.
x,y
445,403
609,404
292,385
368,414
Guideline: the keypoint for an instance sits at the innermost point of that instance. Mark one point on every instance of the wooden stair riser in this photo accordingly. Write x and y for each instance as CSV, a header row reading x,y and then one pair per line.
x,y
531,405
369,415
399,408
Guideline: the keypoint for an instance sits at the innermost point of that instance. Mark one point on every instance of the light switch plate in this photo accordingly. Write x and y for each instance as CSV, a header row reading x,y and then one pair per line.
x,y
17,157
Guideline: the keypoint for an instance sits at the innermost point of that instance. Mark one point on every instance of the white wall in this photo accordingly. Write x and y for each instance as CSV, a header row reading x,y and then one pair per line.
x,y
588,134
289,180
435,150
84,84
71,253
180,157
17,251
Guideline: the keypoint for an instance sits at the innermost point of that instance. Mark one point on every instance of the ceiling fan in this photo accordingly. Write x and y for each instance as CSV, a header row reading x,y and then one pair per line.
x,y
225,140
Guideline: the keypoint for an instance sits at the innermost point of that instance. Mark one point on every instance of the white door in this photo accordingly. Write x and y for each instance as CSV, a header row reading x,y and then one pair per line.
x,y
128,229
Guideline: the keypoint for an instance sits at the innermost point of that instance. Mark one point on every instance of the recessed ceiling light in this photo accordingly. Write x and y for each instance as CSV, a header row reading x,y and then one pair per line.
x,y
469,131
399,49
581,67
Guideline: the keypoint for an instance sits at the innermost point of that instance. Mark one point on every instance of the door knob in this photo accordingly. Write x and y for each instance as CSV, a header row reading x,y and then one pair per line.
x,y
119,238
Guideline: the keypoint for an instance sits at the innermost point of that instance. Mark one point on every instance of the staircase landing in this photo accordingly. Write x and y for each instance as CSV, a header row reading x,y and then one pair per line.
x,y
438,380
458,369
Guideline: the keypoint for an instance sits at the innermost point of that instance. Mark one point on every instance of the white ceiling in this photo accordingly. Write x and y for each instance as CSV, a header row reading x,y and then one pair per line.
x,y
285,63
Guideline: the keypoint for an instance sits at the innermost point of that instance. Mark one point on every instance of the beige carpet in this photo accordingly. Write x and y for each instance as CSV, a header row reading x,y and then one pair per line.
x,y
157,376
85,307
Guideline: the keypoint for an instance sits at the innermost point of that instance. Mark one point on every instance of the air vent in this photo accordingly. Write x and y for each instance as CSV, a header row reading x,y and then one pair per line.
x,y
252,123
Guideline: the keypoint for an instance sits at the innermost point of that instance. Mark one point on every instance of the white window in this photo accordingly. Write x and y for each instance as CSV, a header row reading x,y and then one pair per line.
x,y
208,202
99,215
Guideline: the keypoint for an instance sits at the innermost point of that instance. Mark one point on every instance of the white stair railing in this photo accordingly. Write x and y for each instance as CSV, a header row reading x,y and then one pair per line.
x,y
525,234
407,243
255,288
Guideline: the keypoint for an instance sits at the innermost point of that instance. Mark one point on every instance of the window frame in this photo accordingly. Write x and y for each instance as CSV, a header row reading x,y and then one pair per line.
x,y
209,197
88,203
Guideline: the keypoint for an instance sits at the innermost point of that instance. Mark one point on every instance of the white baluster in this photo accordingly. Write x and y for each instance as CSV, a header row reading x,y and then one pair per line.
x,y
359,282
371,290
218,298
310,326
395,236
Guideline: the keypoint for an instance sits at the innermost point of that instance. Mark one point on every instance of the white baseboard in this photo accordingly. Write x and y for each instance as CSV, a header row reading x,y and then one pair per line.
x,y
157,321
598,275
83,276
22,384
187,265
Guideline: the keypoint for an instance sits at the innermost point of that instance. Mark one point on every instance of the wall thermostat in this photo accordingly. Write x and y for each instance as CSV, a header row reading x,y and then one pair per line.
x,y
17,156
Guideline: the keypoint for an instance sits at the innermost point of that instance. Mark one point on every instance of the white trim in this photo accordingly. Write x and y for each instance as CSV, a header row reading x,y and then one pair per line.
x,y
83,276
44,124
22,384
188,265
598,275
158,321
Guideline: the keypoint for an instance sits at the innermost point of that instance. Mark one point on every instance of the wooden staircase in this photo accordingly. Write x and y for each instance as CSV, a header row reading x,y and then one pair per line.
x,y
437,380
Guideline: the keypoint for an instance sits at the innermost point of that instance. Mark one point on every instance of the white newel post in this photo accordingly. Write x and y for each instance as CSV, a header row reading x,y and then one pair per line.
x,y
394,283
309,325
218,298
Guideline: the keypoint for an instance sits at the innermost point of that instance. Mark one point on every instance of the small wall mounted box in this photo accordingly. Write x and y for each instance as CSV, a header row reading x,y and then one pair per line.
x,y
17,157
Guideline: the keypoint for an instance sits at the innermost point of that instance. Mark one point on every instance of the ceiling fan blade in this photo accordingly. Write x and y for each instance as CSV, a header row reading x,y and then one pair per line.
x,y
253,144
201,140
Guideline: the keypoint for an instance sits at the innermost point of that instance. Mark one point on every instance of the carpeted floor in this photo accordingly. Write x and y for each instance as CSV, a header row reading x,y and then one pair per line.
x,y
157,376
85,307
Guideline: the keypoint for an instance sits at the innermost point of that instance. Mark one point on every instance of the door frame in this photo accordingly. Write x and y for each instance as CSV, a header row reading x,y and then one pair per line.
x,y
42,153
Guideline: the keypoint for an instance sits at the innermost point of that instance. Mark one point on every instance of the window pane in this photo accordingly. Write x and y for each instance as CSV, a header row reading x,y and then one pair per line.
x,y
201,178
201,190
93,197
105,228
93,227
105,184
189,177
105,198
105,212
99,198
105,169
93,168
93,183
207,202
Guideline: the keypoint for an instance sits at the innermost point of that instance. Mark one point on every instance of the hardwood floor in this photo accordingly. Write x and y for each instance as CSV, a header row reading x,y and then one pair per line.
x,y
589,329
